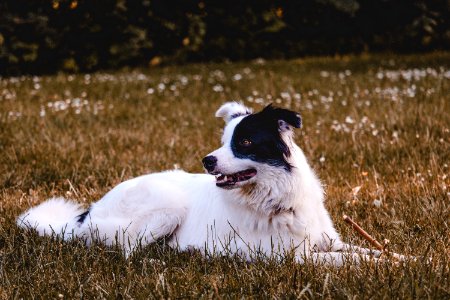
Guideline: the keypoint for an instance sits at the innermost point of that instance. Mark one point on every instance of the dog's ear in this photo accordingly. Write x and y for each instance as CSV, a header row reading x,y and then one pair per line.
x,y
231,110
285,117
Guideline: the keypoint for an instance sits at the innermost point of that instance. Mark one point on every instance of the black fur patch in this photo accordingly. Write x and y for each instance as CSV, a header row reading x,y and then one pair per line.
x,y
262,131
82,217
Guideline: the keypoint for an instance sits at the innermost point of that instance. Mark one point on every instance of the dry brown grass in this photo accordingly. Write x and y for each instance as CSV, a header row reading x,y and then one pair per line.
x,y
379,141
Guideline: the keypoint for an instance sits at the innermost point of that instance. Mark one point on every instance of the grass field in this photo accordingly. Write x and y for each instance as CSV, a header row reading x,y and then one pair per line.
x,y
376,130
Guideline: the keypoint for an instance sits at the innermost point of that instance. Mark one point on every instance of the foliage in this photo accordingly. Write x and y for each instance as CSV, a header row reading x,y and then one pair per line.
x,y
376,130
83,35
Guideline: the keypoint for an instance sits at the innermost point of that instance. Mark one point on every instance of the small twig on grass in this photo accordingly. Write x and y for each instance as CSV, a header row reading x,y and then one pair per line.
x,y
364,233
383,248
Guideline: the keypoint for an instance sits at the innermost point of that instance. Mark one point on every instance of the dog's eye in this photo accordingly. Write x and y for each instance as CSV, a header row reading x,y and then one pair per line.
x,y
245,143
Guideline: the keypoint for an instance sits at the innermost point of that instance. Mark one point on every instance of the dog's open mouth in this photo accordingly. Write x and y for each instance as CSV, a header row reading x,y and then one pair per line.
x,y
231,179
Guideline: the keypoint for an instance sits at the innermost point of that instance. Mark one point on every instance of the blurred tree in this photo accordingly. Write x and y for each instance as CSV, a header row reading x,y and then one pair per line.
x,y
84,35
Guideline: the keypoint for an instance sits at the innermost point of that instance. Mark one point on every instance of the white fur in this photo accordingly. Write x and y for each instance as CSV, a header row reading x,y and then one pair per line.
x,y
60,211
281,212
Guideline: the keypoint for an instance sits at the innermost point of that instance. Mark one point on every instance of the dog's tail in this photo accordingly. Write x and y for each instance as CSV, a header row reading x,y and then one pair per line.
x,y
54,216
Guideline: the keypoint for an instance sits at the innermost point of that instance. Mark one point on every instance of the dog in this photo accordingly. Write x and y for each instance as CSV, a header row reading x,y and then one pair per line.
x,y
260,196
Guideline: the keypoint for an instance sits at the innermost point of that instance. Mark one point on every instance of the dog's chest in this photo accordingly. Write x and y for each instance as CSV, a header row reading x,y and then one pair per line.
x,y
225,228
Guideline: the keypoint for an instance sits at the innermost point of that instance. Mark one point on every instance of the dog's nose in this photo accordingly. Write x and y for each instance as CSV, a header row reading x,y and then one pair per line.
x,y
209,162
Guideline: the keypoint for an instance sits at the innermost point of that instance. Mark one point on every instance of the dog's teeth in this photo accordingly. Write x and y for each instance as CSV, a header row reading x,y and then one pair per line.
x,y
225,178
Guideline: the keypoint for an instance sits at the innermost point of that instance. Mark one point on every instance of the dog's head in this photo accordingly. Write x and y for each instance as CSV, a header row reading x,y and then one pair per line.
x,y
252,144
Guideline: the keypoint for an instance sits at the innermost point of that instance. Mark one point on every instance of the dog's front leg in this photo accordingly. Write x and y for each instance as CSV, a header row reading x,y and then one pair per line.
x,y
375,253
336,259
356,249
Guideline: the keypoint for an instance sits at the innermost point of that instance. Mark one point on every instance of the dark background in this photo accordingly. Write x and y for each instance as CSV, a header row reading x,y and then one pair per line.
x,y
43,36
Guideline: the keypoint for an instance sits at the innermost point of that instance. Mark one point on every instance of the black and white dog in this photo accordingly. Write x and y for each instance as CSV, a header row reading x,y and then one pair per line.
x,y
264,198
